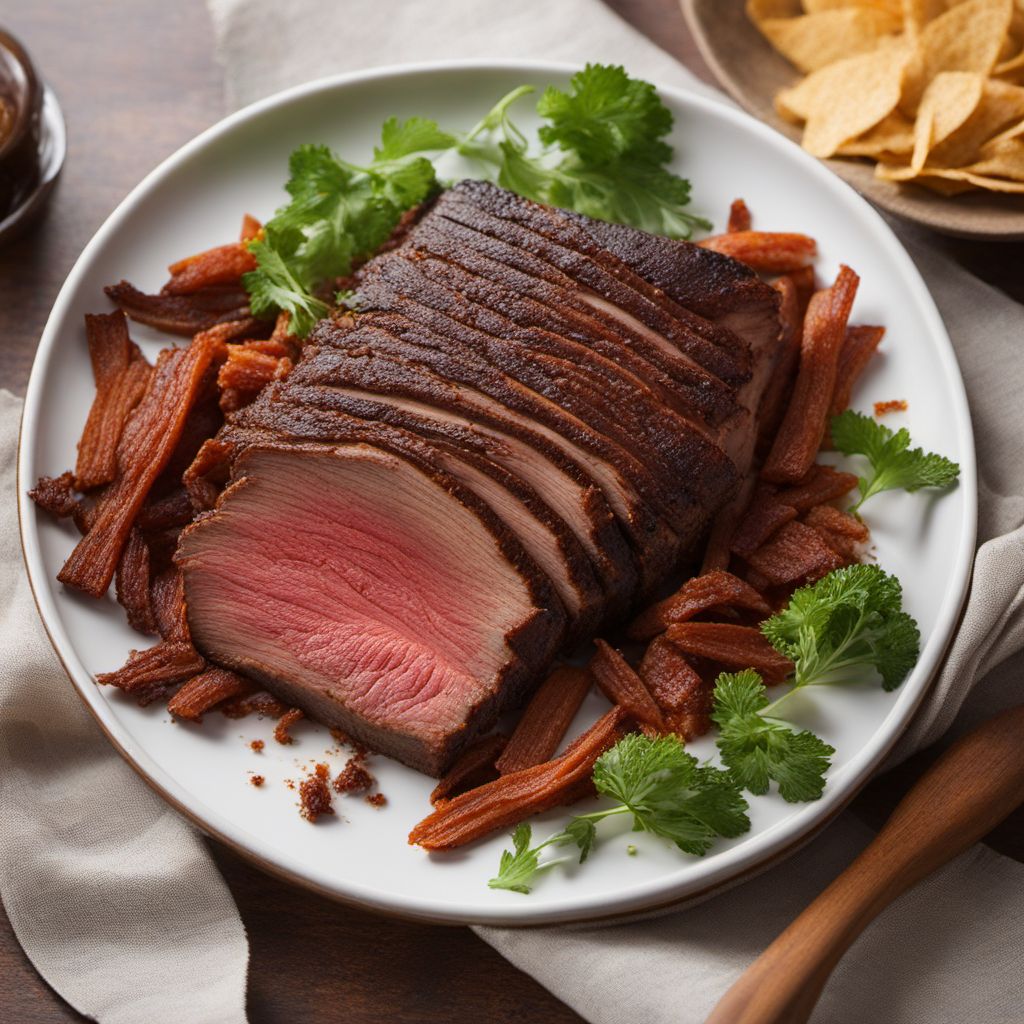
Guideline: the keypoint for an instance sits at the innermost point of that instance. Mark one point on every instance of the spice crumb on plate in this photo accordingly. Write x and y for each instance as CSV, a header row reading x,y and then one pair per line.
x,y
354,778
893,405
314,797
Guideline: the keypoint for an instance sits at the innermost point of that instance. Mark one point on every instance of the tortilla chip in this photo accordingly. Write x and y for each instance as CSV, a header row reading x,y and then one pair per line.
x,y
966,38
1001,106
892,137
1003,159
758,10
949,100
985,181
816,40
893,7
836,113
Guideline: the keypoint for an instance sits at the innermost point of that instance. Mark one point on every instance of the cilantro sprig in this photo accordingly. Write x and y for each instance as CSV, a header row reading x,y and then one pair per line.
x,y
602,152
665,790
836,631
758,747
894,464
339,213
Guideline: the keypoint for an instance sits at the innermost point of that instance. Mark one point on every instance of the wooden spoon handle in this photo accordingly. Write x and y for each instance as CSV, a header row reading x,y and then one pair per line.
x,y
968,791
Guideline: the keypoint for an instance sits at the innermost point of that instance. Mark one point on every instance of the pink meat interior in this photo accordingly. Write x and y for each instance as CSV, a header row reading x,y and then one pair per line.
x,y
354,573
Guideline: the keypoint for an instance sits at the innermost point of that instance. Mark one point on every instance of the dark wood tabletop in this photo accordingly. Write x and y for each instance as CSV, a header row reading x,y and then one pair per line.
x,y
137,80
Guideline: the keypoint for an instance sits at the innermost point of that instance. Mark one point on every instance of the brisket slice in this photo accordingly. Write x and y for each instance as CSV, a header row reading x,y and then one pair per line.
x,y
685,463
544,535
602,277
629,486
546,296
716,287
598,390
374,386
373,591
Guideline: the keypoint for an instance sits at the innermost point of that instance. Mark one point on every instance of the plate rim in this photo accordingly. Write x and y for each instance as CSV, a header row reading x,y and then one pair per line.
x,y
791,835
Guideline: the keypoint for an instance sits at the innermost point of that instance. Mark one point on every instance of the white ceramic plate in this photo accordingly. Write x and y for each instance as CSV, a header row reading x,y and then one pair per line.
x,y
196,199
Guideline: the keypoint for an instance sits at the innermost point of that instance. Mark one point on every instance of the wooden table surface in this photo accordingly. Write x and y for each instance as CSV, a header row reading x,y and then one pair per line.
x,y
137,80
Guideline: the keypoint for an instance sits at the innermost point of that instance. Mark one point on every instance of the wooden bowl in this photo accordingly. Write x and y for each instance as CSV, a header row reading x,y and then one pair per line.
x,y
752,73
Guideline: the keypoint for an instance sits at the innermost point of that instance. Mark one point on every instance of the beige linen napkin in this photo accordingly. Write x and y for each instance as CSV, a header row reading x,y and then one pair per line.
x,y
113,897
951,950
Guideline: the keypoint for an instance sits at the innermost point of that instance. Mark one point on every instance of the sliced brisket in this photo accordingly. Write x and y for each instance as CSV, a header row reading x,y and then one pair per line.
x,y
372,591
528,423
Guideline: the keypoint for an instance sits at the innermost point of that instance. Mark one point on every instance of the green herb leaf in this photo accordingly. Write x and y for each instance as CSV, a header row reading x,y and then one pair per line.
x,y
853,618
669,793
664,789
272,287
518,866
894,464
758,749
603,153
416,135
605,116
583,832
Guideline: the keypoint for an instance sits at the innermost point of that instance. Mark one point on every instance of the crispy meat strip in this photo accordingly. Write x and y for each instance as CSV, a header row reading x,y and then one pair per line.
x,y
206,691
859,345
148,442
149,674
806,283
248,371
133,584
844,533
186,315
511,798
736,647
795,555
167,599
739,217
473,767
819,485
251,228
765,515
803,425
208,473
546,719
224,264
622,686
171,510
717,589
769,252
56,495
121,374
261,704
283,332
678,689
233,330
779,388
717,552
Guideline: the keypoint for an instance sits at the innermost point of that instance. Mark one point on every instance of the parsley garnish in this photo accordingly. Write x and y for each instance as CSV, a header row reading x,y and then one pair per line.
x,y
894,463
665,790
339,213
834,630
602,152
758,747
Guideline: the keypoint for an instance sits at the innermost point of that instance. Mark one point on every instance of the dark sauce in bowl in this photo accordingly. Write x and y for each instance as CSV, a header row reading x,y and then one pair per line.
x,y
21,101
